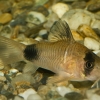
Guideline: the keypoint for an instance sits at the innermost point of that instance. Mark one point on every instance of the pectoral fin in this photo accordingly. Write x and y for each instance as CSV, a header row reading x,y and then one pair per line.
x,y
29,67
55,79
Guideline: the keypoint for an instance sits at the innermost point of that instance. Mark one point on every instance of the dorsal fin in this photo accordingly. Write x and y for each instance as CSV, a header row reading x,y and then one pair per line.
x,y
60,31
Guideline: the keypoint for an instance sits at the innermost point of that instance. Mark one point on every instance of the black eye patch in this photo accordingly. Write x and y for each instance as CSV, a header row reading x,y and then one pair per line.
x,y
89,57
89,63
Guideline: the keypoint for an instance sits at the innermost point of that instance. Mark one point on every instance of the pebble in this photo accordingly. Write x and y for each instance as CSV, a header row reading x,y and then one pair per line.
x,y
95,23
75,18
51,19
79,4
5,18
76,35
97,52
91,43
1,73
6,31
2,97
75,95
35,18
87,31
62,90
34,97
60,9
92,94
60,98
18,98
94,7
28,92
12,71
2,78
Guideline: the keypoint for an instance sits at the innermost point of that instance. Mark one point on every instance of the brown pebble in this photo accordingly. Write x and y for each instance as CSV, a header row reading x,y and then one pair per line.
x,y
2,97
5,18
94,7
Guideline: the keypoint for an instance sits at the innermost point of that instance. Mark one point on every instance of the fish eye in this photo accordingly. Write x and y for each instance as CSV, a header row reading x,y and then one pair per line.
x,y
89,65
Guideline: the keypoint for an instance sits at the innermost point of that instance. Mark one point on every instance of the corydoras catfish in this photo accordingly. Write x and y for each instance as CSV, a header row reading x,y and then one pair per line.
x,y
61,55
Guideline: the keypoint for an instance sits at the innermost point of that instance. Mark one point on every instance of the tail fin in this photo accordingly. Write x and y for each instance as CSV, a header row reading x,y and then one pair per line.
x,y
10,51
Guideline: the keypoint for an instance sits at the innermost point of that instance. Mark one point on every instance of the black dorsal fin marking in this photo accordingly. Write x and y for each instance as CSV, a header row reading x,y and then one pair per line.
x,y
31,52
60,31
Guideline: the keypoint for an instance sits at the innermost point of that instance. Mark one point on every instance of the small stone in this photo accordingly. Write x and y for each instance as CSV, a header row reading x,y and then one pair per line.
x,y
27,93
75,95
38,38
62,90
51,19
35,18
97,52
5,18
79,4
97,31
95,23
92,94
40,2
2,97
76,36
6,31
2,78
75,18
60,98
34,97
94,7
13,71
52,94
88,32
91,43
18,98
60,9
1,73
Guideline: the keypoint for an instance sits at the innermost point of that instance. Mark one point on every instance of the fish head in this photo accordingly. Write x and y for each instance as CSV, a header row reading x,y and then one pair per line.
x,y
78,62
82,64
92,66
88,66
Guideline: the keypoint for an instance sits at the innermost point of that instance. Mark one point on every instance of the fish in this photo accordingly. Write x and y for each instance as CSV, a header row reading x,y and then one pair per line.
x,y
61,54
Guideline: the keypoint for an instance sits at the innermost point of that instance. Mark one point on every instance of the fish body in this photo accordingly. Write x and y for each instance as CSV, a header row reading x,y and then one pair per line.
x,y
61,55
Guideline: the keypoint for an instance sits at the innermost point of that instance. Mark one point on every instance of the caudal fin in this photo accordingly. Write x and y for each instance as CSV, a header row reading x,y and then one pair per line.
x,y
10,51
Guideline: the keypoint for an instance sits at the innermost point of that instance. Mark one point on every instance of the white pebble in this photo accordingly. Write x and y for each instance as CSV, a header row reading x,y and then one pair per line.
x,y
97,52
35,17
60,9
94,97
27,93
18,98
42,32
1,73
62,90
91,43
38,38
34,97
91,95
13,70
